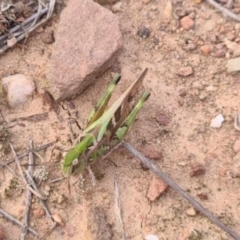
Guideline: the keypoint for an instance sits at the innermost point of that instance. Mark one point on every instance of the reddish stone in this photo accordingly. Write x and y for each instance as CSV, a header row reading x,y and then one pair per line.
x,y
203,196
182,92
186,23
163,119
206,49
197,169
185,71
152,152
156,188
82,52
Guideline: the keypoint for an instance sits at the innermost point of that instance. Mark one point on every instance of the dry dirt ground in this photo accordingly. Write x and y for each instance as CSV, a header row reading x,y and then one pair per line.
x,y
190,102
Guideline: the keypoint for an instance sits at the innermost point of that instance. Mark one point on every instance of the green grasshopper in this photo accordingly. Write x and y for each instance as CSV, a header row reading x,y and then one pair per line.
x,y
105,130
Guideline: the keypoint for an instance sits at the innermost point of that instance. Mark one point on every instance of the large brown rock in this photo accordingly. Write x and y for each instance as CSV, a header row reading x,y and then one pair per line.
x,y
87,41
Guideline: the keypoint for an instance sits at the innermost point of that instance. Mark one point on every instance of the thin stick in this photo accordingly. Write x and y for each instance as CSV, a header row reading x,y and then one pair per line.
x,y
39,156
21,26
12,172
20,156
15,221
56,180
148,163
28,194
118,208
49,231
223,10
24,35
38,194
44,205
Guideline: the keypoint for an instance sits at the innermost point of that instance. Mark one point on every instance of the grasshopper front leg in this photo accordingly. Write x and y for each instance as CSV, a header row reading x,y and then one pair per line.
x,y
74,154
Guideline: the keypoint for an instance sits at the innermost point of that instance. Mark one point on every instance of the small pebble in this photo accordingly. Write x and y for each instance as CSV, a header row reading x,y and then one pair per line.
x,y
202,96
220,53
60,199
146,1
19,89
163,119
185,71
154,8
143,32
217,121
211,89
152,152
191,212
186,23
233,65
203,196
197,169
183,92
182,164
151,237
156,188
206,49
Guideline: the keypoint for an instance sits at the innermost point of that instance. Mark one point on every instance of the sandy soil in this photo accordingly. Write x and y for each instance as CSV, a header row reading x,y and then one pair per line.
x,y
89,213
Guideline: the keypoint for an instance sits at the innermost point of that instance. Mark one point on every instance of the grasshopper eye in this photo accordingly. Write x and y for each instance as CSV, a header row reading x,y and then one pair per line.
x,y
75,162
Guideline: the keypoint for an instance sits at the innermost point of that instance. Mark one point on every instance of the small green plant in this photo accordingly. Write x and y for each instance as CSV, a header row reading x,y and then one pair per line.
x,y
13,187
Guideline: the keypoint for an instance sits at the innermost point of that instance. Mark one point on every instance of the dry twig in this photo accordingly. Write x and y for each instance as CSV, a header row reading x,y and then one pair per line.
x,y
223,10
31,25
44,205
24,180
20,156
49,231
15,221
148,163
28,194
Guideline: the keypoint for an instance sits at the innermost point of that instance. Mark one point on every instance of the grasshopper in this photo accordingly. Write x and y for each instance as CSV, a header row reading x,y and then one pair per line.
x,y
105,129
